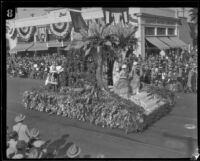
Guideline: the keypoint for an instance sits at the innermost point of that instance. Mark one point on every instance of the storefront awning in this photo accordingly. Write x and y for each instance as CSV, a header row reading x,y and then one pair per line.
x,y
54,44
169,42
178,42
57,44
20,47
38,47
156,42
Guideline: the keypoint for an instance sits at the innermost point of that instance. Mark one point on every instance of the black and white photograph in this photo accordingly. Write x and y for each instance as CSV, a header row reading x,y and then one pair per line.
x,y
101,82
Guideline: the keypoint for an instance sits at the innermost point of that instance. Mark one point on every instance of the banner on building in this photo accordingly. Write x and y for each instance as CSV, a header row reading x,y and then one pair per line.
x,y
42,34
10,30
116,15
77,20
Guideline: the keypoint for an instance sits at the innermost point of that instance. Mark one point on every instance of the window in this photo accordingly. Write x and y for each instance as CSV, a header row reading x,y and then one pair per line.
x,y
161,31
171,31
149,31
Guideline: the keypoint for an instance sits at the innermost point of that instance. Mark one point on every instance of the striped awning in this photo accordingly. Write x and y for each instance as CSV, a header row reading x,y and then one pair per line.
x,y
156,42
21,47
179,42
168,42
38,47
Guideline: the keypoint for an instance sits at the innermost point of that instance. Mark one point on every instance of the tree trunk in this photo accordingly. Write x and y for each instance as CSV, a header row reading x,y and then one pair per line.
x,y
99,69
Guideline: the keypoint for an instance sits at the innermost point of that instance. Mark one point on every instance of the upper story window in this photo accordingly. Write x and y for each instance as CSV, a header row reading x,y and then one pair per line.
x,y
149,31
171,31
161,31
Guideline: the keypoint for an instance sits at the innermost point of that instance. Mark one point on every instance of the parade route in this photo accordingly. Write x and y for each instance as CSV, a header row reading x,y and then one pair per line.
x,y
167,138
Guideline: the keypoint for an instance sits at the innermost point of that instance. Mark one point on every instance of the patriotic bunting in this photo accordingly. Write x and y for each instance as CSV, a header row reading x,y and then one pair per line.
x,y
26,32
60,30
10,30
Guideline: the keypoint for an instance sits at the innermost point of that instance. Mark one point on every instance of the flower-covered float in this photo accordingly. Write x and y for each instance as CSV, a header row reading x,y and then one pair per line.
x,y
85,93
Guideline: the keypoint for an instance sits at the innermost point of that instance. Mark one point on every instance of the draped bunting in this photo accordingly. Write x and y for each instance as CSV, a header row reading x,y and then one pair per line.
x,y
26,32
60,30
11,31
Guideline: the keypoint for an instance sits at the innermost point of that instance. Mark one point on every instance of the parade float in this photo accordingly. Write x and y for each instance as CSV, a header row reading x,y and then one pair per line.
x,y
86,94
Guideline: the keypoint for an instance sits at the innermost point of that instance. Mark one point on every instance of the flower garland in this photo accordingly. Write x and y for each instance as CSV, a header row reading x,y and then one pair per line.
x,y
60,30
108,111
26,32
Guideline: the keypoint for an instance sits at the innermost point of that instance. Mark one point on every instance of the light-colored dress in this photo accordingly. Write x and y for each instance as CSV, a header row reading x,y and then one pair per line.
x,y
116,73
23,132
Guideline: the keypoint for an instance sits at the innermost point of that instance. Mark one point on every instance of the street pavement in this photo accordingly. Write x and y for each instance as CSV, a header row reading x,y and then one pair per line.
x,y
167,138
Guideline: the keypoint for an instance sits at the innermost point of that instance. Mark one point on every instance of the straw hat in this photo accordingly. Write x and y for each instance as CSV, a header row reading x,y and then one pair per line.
x,y
124,66
19,118
38,143
135,63
73,151
34,133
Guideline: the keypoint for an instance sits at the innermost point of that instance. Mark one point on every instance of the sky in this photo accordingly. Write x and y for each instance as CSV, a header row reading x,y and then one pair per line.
x,y
28,12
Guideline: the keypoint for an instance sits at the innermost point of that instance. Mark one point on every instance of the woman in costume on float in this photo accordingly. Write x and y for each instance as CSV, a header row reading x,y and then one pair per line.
x,y
53,76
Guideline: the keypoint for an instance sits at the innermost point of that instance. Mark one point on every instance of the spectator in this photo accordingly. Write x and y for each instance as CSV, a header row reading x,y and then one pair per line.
x,y
21,128
21,150
73,151
12,149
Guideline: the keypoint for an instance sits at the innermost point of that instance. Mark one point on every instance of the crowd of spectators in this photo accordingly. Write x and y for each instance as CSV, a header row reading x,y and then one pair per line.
x,y
24,143
175,69
36,67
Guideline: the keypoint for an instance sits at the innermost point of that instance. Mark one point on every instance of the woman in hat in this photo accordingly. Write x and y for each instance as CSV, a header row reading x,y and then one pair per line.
x,y
21,150
21,129
73,151
12,149
36,142
53,76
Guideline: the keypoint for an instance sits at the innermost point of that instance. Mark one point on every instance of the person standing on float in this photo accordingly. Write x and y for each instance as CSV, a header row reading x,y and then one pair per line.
x,y
52,77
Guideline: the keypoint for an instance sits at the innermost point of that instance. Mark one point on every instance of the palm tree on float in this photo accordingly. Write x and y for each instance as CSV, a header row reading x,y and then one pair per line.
x,y
104,42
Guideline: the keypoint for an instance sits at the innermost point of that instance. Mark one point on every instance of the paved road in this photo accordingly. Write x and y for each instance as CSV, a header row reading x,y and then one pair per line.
x,y
166,138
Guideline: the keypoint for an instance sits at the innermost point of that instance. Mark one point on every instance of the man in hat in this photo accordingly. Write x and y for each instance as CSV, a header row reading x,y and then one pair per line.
x,y
21,128
73,151
37,142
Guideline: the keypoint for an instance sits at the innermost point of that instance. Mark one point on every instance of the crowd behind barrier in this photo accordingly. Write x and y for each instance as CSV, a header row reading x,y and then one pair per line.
x,y
174,70
24,143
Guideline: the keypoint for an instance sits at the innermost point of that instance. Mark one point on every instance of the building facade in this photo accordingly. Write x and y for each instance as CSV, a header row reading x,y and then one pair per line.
x,y
158,28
